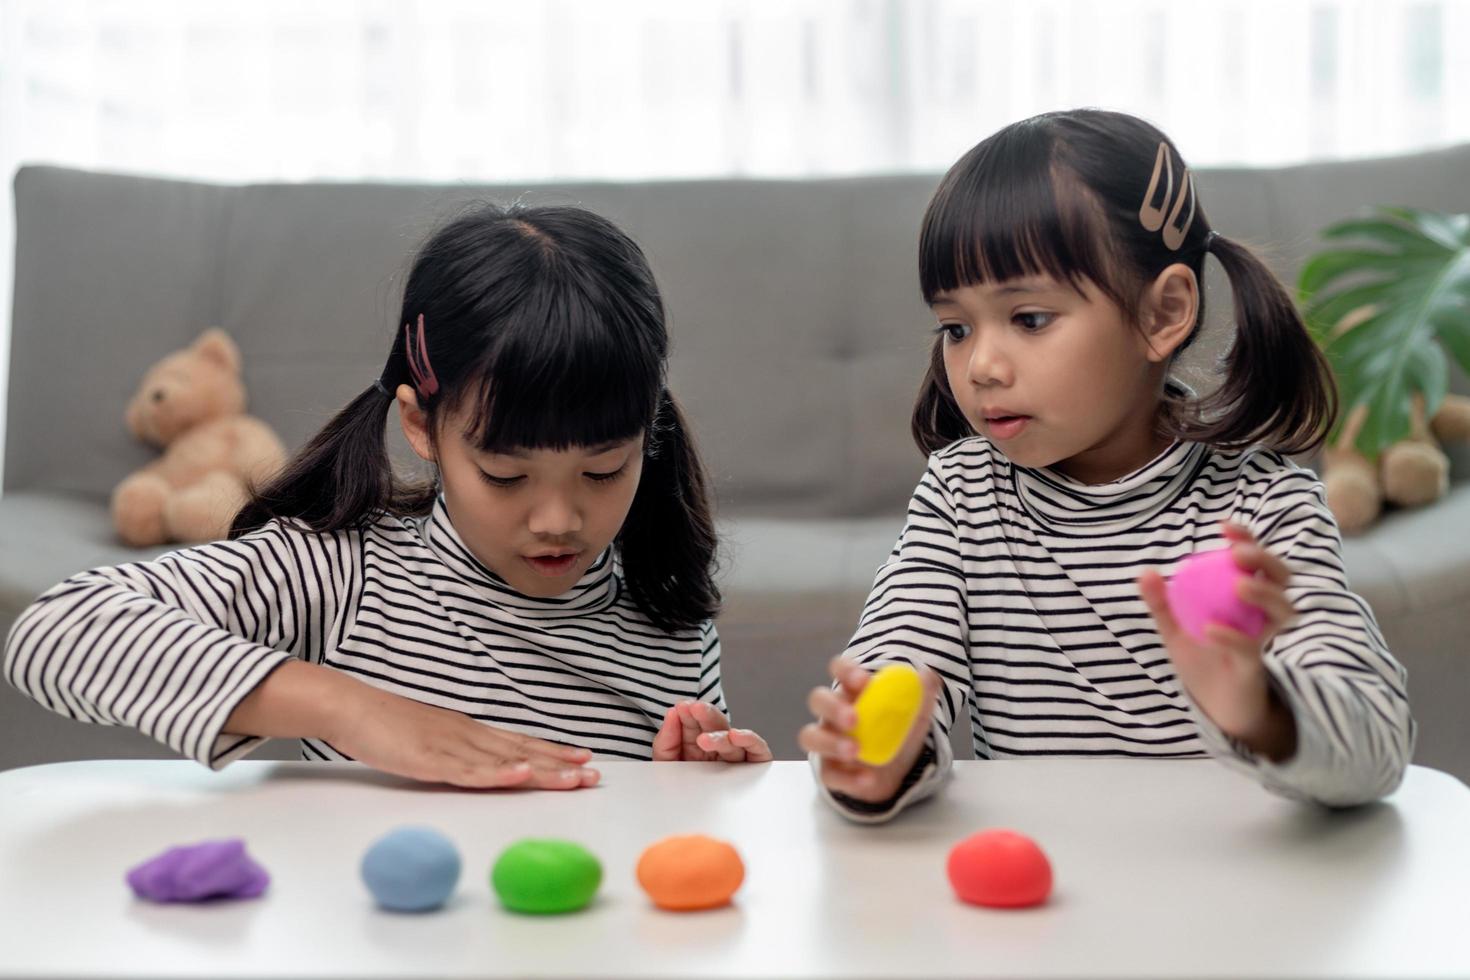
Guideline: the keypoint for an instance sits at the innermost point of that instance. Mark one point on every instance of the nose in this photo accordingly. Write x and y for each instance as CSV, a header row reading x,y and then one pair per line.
x,y
555,515
988,364
158,394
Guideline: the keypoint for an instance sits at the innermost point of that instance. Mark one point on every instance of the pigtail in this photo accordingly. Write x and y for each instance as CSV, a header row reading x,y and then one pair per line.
x,y
1278,388
937,421
667,543
341,479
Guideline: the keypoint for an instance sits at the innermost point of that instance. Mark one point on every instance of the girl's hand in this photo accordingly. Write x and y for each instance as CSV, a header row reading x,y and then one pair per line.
x,y
407,738
841,772
1226,674
697,731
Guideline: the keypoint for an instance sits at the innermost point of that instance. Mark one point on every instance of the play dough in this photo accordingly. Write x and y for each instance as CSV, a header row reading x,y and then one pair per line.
x,y
545,876
999,868
1202,591
411,869
691,872
886,708
198,872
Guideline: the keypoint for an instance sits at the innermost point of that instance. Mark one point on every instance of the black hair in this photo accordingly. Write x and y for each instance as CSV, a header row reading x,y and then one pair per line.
x,y
1060,194
546,325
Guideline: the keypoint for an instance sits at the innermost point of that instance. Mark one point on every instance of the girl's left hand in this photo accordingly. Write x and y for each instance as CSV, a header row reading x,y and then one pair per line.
x,y
697,731
1226,674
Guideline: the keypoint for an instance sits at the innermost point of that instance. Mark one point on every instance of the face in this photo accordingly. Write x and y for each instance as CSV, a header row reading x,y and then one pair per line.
x,y
538,518
1054,377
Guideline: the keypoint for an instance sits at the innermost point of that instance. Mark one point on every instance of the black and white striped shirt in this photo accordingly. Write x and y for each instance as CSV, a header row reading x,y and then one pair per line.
x,y
171,646
1020,588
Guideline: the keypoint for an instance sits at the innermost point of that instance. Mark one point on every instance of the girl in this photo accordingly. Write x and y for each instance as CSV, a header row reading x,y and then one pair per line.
x,y
554,586
1068,473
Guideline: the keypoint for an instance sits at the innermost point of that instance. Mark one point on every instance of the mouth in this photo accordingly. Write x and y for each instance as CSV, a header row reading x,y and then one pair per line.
x,y
1003,425
553,564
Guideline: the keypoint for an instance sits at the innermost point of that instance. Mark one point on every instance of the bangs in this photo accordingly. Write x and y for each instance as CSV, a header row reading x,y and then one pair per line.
x,y
564,373
1006,211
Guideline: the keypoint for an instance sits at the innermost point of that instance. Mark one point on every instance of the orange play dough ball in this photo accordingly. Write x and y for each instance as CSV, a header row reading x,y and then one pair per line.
x,y
682,874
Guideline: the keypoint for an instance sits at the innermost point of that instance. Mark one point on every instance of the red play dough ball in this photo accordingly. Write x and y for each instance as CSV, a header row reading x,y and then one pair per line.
x,y
999,868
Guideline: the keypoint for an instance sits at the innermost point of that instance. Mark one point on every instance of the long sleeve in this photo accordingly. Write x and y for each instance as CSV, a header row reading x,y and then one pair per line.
x,y
171,646
1331,666
916,614
710,687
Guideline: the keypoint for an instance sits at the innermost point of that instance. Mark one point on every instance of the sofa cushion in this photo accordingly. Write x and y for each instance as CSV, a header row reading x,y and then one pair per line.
x,y
48,537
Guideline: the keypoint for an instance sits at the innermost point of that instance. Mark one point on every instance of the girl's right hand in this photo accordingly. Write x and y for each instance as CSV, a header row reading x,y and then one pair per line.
x,y
841,772
406,738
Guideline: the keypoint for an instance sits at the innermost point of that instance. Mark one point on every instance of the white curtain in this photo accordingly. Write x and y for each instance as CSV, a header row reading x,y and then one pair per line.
x,y
628,89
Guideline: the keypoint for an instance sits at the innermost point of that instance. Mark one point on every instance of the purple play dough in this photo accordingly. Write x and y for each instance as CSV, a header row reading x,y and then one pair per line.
x,y
197,872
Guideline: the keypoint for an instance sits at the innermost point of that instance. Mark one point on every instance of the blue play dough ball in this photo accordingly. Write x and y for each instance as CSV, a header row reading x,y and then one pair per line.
x,y
412,869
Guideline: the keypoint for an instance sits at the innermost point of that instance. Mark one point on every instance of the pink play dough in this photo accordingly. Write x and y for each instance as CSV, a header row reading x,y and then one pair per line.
x,y
1202,591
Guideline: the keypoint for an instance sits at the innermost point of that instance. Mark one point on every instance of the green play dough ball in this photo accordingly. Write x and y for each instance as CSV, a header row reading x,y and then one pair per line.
x,y
545,876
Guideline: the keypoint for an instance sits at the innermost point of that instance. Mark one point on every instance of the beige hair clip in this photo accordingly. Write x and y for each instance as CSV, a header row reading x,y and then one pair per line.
x,y
1166,214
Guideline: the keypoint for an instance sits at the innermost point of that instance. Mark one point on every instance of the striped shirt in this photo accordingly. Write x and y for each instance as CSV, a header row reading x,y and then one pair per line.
x,y
171,646
1019,587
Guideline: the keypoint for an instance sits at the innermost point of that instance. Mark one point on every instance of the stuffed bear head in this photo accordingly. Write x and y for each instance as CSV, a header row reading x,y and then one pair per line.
x,y
190,386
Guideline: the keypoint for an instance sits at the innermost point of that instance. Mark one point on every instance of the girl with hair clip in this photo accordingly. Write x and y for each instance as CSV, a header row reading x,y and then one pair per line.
x,y
1069,473
546,602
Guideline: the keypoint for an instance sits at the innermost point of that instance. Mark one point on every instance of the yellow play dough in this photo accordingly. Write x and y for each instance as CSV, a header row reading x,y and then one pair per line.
x,y
885,712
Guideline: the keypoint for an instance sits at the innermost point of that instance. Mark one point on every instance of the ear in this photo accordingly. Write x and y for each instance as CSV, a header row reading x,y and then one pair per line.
x,y
1171,304
415,422
215,345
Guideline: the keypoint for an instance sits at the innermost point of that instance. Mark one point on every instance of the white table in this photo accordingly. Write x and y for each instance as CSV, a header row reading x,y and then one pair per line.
x,y
1162,868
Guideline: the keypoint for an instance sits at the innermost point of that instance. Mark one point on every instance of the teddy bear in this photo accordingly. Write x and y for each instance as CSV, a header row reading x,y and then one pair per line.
x,y
191,404
1412,472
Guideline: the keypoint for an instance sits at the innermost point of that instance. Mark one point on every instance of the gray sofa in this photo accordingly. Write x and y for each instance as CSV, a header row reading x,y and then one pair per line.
x,y
799,340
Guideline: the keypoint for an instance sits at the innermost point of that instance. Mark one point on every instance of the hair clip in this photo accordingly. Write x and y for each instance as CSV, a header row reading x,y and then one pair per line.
x,y
418,360
1166,215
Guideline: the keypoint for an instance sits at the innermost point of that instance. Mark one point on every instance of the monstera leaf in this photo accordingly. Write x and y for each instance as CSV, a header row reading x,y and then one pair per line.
x,y
1403,295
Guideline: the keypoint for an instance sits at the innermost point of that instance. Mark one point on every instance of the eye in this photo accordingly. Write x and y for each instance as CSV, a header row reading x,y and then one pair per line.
x,y
1033,321
607,477
500,481
953,332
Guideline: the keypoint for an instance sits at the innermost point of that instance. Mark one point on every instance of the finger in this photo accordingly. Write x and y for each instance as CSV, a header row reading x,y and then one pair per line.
x,y
689,731
1267,597
851,677
562,777
827,743
552,774
831,709
478,775
756,749
708,717
525,746
719,745
1237,532
1254,558
669,739
1155,597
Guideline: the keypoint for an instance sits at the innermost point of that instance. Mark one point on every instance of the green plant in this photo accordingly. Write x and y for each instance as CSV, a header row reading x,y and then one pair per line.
x,y
1386,310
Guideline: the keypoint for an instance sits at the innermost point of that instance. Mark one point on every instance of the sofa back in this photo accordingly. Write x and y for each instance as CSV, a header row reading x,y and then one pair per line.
x,y
798,334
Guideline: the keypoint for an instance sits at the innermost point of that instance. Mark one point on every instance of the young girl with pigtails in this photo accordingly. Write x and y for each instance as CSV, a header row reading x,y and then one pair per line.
x,y
545,602
1070,472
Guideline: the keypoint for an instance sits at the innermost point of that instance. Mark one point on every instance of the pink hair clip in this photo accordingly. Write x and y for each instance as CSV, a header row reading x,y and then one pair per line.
x,y
418,360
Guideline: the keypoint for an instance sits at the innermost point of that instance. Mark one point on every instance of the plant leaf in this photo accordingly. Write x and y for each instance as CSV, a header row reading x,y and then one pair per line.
x,y
1420,296
1324,267
1391,234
